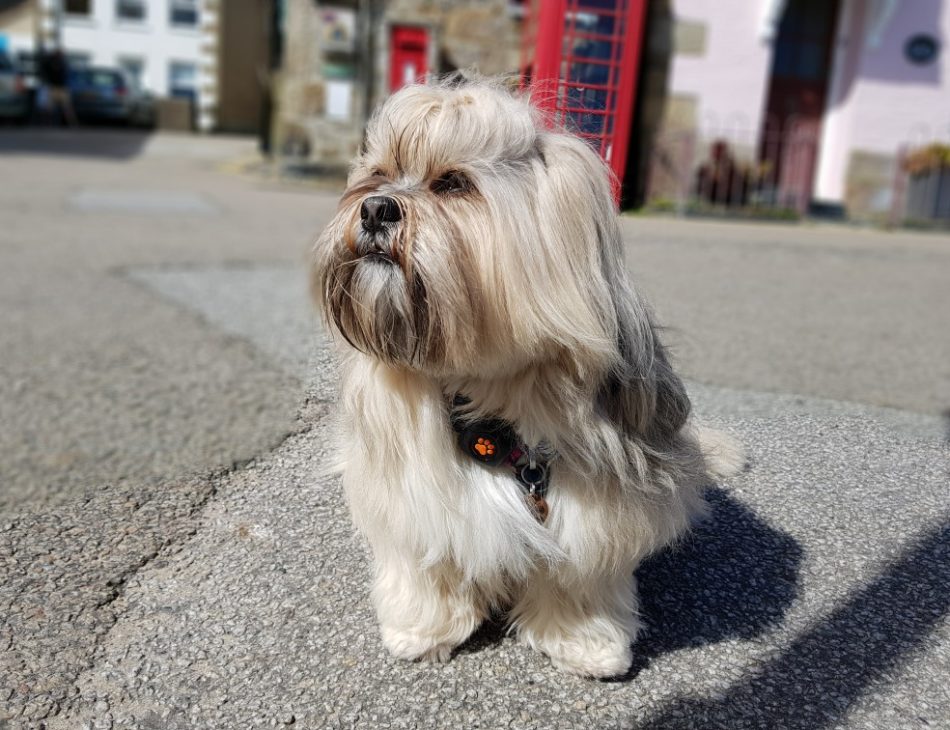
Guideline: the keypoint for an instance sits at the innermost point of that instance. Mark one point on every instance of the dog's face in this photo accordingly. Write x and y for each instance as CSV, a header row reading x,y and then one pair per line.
x,y
471,239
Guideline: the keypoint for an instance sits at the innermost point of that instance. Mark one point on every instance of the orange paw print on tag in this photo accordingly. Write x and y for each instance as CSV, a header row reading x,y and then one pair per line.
x,y
484,447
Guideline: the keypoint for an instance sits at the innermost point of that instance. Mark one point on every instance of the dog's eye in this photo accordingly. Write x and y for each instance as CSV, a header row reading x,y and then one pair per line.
x,y
377,172
451,183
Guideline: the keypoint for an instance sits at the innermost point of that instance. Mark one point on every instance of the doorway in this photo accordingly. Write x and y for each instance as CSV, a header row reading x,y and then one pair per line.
x,y
798,87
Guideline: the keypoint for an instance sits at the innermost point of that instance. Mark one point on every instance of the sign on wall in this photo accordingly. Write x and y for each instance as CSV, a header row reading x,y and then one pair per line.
x,y
338,30
922,49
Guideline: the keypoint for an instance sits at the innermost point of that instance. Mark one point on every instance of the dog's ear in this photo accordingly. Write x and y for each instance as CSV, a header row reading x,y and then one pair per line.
x,y
644,396
573,217
640,393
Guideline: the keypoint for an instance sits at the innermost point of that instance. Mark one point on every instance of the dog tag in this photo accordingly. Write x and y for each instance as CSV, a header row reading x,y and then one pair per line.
x,y
539,505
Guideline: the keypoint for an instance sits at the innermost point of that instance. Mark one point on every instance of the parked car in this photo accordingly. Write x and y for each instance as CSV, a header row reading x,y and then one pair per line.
x,y
106,94
26,63
14,95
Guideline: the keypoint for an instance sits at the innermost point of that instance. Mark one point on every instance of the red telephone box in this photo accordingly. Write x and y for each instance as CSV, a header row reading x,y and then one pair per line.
x,y
408,55
581,59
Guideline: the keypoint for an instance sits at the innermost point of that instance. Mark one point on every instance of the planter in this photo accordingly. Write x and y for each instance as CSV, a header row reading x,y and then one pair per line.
x,y
928,194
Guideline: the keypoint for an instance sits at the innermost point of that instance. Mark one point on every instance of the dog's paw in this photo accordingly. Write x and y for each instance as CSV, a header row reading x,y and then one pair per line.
x,y
416,646
590,658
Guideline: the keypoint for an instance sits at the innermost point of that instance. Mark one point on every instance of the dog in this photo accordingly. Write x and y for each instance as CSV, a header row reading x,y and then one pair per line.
x,y
514,437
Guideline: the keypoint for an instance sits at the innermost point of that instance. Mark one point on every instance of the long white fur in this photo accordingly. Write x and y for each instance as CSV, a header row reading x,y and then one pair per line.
x,y
513,294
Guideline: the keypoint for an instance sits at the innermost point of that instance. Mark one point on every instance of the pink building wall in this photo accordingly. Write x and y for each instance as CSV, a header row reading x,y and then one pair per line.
x,y
730,80
878,101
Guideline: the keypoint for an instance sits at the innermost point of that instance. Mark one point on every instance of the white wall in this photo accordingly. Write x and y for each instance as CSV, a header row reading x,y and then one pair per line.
x,y
106,39
730,81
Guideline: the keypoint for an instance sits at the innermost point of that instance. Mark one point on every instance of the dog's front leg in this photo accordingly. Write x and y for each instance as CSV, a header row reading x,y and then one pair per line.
x,y
424,613
585,624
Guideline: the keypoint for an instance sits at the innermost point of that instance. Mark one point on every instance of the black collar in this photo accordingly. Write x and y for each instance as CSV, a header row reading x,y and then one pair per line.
x,y
494,442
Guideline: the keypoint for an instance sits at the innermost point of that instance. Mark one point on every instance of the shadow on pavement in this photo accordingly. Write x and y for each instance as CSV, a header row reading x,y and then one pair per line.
x,y
117,144
734,577
818,678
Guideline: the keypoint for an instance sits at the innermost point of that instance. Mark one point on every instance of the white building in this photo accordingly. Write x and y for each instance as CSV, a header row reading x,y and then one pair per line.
x,y
167,46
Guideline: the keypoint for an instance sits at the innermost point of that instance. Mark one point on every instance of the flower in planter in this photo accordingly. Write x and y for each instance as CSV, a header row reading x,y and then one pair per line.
x,y
927,159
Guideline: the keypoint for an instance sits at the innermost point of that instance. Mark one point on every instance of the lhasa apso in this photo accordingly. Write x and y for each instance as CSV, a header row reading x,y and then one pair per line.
x,y
514,435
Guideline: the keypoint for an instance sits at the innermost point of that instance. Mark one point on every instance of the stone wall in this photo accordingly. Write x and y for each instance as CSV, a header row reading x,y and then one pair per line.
x,y
869,186
477,35
19,18
472,34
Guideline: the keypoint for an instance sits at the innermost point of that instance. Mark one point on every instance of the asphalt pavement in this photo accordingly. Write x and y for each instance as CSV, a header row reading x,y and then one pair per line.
x,y
102,381
203,573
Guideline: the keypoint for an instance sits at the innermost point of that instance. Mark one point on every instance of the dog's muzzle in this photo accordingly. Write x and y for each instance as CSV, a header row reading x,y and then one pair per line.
x,y
375,239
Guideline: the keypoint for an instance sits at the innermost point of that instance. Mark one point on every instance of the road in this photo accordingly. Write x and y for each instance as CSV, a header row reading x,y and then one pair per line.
x,y
174,555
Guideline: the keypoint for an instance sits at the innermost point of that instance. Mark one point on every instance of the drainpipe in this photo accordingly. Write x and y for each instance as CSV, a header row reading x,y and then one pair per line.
x,y
368,17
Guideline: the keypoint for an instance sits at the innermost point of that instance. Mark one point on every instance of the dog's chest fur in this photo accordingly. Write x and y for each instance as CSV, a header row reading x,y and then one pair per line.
x,y
407,480
408,484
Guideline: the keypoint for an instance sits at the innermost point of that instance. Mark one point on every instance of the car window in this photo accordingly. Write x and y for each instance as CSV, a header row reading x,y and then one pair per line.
x,y
26,62
99,78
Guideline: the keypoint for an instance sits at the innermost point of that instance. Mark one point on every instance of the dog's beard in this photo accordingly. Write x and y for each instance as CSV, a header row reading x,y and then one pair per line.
x,y
402,295
369,302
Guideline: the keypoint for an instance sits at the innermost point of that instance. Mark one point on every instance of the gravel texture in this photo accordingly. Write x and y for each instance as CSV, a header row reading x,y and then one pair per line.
x,y
816,596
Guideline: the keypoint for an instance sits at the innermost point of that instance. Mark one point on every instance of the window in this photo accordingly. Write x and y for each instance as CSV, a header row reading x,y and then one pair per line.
x,y
26,60
98,78
78,60
183,12
77,7
183,80
130,10
134,68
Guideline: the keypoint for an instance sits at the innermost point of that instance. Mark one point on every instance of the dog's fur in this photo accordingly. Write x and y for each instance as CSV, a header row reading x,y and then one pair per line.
x,y
503,283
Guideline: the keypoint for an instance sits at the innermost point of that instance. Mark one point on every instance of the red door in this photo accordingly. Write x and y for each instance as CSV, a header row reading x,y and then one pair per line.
x,y
408,55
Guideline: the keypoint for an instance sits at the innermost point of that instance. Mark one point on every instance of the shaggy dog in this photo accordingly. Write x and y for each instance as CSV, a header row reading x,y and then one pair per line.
x,y
514,435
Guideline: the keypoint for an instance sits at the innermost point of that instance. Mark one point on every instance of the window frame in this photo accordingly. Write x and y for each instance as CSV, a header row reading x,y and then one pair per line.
x,y
137,82
193,4
88,14
193,95
126,20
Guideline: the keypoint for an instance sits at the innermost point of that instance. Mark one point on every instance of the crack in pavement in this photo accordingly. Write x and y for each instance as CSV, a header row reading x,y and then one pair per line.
x,y
44,631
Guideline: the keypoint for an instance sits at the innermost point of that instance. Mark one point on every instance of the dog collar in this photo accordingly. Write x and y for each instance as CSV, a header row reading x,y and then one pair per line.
x,y
495,442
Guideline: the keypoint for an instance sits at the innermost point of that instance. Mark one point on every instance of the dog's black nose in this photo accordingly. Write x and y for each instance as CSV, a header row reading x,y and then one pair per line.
x,y
379,209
